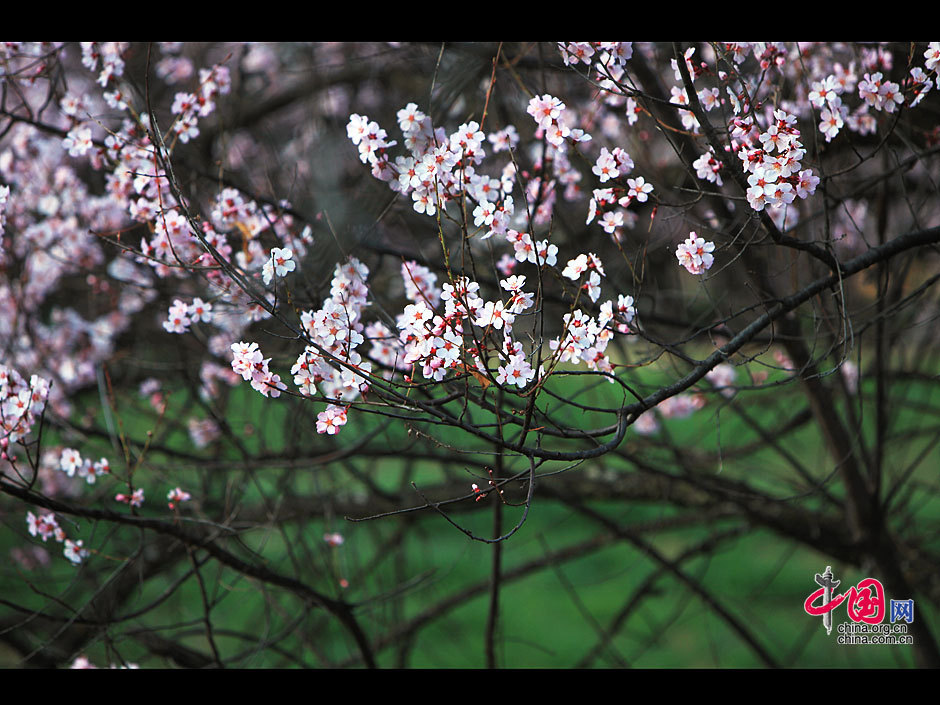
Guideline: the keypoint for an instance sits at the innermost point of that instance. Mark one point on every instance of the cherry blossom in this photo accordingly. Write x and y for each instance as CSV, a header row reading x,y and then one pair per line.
x,y
74,551
680,406
576,267
90,471
44,526
331,419
504,140
639,189
203,431
88,203
606,166
593,286
280,263
334,539
695,254
932,56
831,122
78,141
135,499
517,371
920,84
200,310
708,168
494,315
545,109
178,320
71,461
245,356
723,376
544,253
175,496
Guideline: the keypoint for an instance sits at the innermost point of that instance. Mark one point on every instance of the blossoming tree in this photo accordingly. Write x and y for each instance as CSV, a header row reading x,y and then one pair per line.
x,y
281,323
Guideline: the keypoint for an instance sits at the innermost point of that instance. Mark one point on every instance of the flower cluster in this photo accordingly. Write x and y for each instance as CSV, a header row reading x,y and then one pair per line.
x,y
775,173
695,254
181,315
613,166
189,107
605,55
585,339
434,341
334,539
708,168
176,496
45,526
680,406
826,96
722,377
551,116
21,404
72,463
202,431
608,59
138,189
517,370
248,362
111,58
331,419
135,499
439,167
880,93
773,158
332,362
540,253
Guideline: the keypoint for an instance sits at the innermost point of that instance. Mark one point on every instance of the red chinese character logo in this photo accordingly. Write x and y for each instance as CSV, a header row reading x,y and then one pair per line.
x,y
867,602
826,606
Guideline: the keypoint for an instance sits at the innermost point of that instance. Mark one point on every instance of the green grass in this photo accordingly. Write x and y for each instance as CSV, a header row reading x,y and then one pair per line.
x,y
550,618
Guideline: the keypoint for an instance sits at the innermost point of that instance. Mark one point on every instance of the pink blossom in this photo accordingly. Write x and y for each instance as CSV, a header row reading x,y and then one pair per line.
x,y
280,263
695,254
74,552
331,419
334,539
932,56
177,495
71,461
494,315
545,109
517,371
78,141
43,526
178,320
135,499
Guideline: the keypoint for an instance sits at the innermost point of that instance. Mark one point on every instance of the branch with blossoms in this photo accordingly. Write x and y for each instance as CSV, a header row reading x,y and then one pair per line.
x,y
550,290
